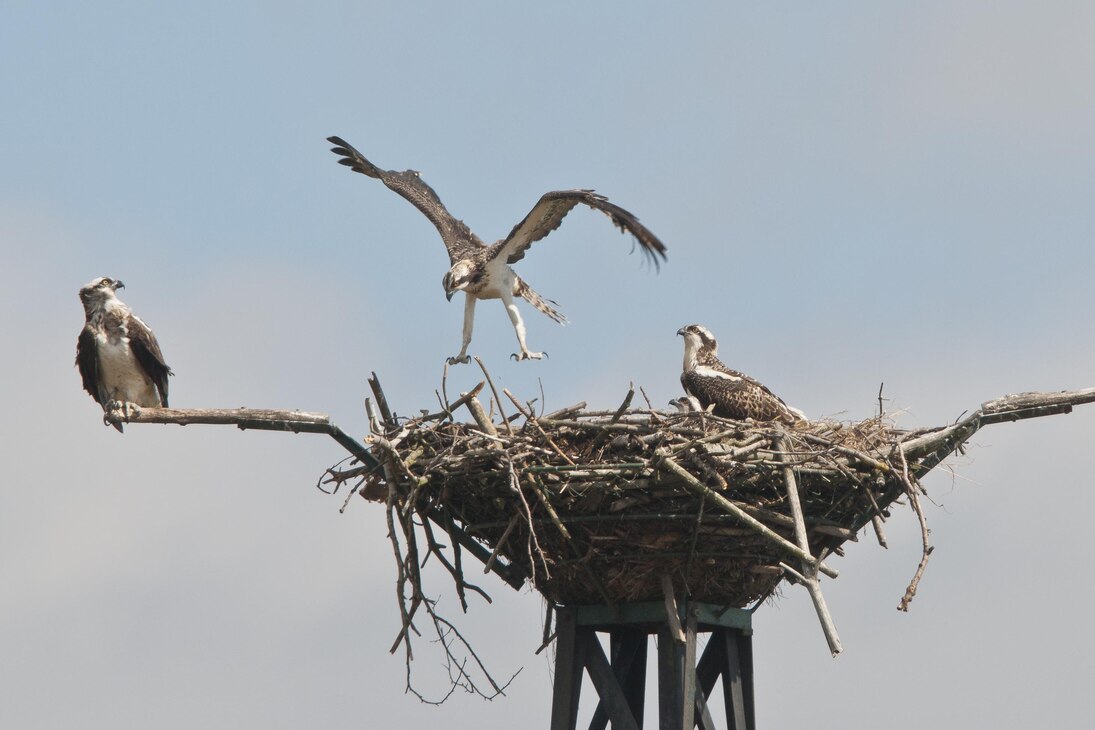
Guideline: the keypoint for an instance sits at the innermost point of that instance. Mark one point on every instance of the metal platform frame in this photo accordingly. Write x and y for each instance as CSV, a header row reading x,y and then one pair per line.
x,y
684,684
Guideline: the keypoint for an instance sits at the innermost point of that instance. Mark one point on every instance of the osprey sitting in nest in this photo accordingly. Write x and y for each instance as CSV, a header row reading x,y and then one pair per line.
x,y
118,356
482,271
726,392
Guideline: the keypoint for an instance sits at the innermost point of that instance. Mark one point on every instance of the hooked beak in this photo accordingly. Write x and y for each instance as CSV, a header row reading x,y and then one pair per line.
x,y
448,295
118,285
681,332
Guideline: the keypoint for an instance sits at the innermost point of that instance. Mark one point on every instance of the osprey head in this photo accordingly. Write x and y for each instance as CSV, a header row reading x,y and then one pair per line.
x,y
697,339
98,291
458,277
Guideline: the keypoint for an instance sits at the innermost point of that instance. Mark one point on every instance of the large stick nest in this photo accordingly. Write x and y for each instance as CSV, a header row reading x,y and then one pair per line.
x,y
595,507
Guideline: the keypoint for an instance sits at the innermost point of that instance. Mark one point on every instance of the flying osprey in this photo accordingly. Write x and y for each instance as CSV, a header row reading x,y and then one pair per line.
x,y
482,271
118,356
733,394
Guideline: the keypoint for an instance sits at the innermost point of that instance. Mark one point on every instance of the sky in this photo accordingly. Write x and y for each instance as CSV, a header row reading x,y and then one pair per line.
x,y
871,193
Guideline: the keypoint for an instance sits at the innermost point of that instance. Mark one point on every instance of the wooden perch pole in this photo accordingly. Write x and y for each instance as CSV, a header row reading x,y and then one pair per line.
x,y
931,448
259,419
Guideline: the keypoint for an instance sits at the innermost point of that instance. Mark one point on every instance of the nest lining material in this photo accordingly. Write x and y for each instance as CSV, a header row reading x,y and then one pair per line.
x,y
596,507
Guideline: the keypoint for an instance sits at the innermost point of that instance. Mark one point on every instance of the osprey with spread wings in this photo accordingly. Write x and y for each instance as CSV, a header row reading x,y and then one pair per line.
x,y
482,271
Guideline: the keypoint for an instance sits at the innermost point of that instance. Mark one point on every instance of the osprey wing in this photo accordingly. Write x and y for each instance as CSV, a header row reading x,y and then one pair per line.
x,y
87,360
736,395
549,212
458,238
147,351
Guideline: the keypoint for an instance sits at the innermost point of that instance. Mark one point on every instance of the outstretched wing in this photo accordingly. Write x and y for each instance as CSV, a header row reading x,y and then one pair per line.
x,y
458,238
87,359
147,351
549,212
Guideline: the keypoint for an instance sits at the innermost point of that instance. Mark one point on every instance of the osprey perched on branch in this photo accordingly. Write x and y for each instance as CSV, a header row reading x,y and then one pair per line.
x,y
482,271
733,394
118,356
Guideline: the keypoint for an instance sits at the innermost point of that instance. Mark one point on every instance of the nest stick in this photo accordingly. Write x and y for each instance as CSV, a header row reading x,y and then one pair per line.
x,y
531,418
568,411
374,422
809,577
625,405
827,626
433,547
695,538
792,499
501,412
401,572
501,543
725,504
672,613
541,493
914,502
515,484
448,408
876,523
851,453
476,409
549,635
382,401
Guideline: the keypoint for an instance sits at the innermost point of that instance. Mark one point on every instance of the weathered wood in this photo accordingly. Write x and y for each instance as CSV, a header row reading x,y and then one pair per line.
x,y
688,682
501,544
276,419
723,503
931,448
670,680
1022,401
497,400
259,419
635,682
480,416
733,683
604,679
809,571
628,651
382,401
569,664
672,614
914,501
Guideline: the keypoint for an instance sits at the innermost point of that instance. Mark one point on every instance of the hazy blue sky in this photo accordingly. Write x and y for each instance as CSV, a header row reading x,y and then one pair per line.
x,y
898,192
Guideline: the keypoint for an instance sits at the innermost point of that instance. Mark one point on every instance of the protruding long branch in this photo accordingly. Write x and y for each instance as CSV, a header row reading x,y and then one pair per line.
x,y
932,448
265,419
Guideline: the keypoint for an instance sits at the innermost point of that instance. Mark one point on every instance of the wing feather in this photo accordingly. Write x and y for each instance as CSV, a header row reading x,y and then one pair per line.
x,y
458,238
147,351
549,212
87,360
739,397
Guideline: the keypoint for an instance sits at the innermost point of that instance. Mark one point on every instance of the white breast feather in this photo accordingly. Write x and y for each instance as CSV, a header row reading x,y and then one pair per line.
x,y
122,376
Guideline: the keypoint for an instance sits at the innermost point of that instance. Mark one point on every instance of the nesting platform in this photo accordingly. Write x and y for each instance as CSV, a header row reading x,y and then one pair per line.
x,y
597,507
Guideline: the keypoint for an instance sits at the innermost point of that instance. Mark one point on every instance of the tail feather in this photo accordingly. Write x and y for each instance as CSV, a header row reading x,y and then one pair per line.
x,y
523,290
